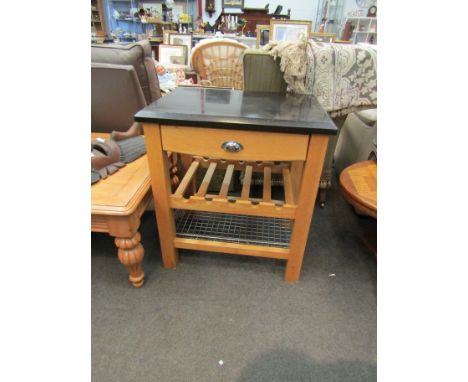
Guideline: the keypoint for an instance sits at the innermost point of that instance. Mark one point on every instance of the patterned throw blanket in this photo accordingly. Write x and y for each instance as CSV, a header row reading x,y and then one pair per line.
x,y
342,77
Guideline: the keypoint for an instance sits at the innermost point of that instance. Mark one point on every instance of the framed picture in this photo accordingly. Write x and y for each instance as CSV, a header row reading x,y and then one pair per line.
x,y
289,30
166,34
263,35
170,55
233,4
181,39
323,37
153,7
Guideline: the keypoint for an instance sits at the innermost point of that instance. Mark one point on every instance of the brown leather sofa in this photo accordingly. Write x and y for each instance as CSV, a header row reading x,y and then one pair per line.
x,y
123,81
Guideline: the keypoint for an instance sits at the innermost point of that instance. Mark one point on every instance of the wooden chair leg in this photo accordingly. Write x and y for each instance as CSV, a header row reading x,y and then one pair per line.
x,y
305,206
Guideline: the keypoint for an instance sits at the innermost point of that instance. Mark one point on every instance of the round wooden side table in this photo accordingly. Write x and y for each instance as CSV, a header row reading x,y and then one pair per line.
x,y
359,186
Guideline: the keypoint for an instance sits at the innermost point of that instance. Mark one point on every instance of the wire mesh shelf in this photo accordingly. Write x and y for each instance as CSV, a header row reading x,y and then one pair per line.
x,y
240,229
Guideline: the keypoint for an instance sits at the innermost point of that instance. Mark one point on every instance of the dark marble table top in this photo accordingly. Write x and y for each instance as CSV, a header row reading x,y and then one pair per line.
x,y
235,109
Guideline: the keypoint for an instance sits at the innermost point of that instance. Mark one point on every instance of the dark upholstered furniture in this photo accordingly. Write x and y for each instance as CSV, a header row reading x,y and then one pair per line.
x,y
123,81
139,56
116,96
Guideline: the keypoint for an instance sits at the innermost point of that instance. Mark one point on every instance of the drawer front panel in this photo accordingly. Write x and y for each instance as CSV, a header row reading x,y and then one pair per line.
x,y
252,145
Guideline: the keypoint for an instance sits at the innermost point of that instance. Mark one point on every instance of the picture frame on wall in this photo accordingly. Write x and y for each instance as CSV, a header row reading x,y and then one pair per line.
x,y
289,30
170,55
262,32
323,37
166,34
153,7
233,4
181,39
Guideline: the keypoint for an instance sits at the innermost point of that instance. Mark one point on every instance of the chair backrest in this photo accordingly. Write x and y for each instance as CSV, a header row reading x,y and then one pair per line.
x,y
219,62
262,73
116,96
139,56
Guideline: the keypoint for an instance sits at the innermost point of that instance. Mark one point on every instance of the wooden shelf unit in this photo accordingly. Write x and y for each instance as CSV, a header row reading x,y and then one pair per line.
x,y
254,17
365,29
98,24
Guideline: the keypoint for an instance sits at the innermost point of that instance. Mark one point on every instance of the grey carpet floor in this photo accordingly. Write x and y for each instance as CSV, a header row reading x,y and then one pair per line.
x,y
215,307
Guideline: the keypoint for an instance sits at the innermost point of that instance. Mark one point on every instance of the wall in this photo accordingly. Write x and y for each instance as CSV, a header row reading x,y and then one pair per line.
x,y
300,9
350,5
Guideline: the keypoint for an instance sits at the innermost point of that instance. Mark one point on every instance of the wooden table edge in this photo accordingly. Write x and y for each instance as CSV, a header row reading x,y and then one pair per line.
x,y
97,209
355,197
361,201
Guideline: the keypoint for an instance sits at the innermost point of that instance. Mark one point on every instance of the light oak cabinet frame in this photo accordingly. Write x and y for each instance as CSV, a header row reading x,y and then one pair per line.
x,y
299,162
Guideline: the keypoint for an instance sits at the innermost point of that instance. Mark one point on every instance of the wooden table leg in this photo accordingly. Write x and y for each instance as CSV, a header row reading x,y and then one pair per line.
x,y
305,206
369,239
297,168
131,254
161,186
127,239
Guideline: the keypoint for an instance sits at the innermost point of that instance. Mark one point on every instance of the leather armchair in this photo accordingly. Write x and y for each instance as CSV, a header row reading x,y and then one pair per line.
x,y
139,56
123,81
116,96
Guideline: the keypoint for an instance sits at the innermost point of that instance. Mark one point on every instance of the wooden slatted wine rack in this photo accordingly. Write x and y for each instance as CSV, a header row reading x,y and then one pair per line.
x,y
244,204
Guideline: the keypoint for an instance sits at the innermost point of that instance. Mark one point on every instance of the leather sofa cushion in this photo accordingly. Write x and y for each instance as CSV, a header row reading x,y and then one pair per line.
x,y
139,56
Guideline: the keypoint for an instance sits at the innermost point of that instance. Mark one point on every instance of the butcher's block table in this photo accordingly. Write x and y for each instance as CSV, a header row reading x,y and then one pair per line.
x,y
117,204
231,130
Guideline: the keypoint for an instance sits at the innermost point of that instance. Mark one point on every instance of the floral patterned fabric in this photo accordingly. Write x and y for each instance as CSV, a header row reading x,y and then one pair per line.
x,y
343,77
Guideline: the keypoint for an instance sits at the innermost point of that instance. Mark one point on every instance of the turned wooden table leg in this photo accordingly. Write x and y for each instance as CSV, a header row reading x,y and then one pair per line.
x,y
131,254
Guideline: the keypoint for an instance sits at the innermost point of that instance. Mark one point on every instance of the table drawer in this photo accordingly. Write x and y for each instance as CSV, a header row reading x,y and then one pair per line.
x,y
254,145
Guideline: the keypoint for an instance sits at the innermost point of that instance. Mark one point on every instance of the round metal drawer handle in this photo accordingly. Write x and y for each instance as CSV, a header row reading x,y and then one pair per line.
x,y
232,146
